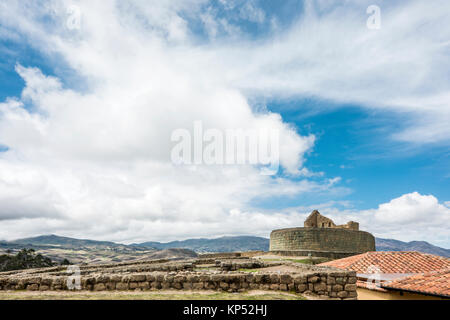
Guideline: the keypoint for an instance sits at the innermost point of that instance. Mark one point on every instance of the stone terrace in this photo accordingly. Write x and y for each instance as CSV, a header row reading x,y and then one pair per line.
x,y
231,275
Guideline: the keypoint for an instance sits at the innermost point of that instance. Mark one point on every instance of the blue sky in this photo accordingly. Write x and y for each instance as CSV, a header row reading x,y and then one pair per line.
x,y
354,144
86,116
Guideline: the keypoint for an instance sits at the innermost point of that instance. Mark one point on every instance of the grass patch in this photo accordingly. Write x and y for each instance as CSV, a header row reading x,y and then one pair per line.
x,y
248,270
312,261
204,268
304,261
148,295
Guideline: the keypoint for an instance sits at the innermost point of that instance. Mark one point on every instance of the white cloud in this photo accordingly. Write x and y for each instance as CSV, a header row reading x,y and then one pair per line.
x,y
330,54
412,216
97,163
251,12
411,208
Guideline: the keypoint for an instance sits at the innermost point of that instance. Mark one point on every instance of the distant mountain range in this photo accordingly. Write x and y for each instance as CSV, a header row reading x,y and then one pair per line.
x,y
111,251
65,242
223,244
421,246
249,243
88,251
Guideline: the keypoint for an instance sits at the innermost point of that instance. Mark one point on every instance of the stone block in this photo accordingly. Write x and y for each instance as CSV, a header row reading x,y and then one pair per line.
x,y
159,277
145,285
274,278
350,287
299,279
192,278
166,285
35,280
217,277
116,278
223,285
138,278
286,278
264,286
101,279
234,286
47,281
197,286
110,285
177,285
99,287
302,287
320,286
351,280
133,285
274,286
121,286
253,286
337,288
33,287
338,274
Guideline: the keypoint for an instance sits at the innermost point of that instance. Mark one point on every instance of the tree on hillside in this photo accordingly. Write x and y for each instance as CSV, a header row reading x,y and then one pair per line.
x,y
24,259
65,262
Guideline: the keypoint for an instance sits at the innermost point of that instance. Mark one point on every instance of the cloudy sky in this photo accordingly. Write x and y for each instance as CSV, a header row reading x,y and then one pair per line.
x,y
91,92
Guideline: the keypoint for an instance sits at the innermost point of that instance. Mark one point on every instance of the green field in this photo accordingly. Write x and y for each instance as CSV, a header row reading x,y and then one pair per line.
x,y
149,295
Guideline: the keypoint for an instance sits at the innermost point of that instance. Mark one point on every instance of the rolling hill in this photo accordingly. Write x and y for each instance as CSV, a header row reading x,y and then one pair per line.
x,y
82,250
223,244
78,250
66,242
249,243
421,246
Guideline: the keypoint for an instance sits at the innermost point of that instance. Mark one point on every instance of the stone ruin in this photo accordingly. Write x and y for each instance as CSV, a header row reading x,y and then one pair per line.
x,y
321,237
316,220
226,274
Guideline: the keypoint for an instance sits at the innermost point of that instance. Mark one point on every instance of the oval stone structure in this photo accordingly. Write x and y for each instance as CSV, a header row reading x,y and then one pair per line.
x,y
323,239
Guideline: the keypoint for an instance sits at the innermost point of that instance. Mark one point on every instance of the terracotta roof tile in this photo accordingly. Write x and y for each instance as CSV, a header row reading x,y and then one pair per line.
x,y
370,286
435,282
391,262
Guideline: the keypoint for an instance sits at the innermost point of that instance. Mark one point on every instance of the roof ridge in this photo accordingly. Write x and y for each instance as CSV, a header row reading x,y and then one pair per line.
x,y
433,282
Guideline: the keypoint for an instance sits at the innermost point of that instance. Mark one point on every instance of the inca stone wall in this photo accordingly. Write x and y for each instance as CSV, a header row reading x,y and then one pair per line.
x,y
322,241
326,282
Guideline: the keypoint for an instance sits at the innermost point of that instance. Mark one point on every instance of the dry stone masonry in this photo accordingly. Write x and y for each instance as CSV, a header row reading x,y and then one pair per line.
x,y
200,274
323,238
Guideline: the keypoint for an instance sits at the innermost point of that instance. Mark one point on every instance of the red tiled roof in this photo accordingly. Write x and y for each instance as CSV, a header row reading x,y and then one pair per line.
x,y
435,282
370,286
405,262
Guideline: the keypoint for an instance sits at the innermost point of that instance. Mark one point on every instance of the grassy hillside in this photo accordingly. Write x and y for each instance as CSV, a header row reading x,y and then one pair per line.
x,y
92,251
223,244
88,251
421,246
